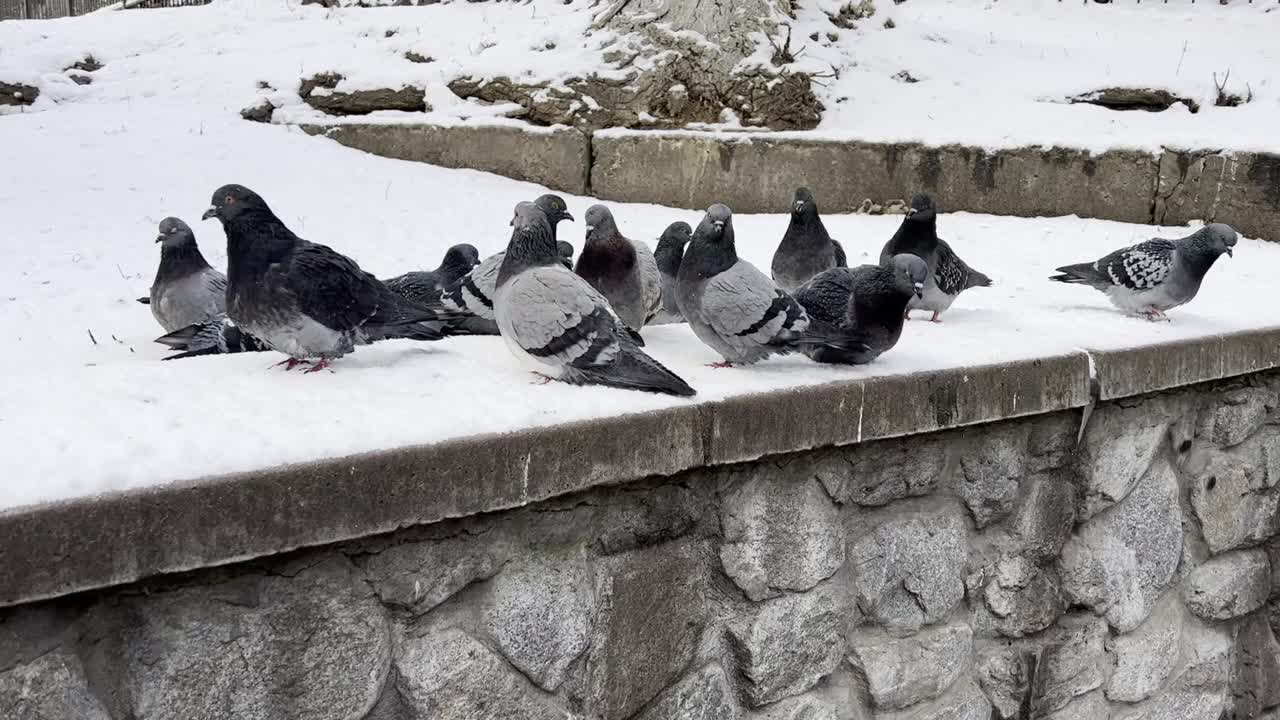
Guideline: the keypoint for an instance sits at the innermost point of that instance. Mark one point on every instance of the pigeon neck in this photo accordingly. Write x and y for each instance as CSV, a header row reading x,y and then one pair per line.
x,y
807,226
605,255
706,259
179,261
1199,257
528,248
917,237
453,268
668,256
255,240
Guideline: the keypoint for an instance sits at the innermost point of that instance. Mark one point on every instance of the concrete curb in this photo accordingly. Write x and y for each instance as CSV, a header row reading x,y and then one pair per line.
x,y
757,172
57,549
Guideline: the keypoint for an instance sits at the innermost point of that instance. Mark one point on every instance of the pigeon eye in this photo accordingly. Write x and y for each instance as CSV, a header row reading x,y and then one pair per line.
x,y
228,200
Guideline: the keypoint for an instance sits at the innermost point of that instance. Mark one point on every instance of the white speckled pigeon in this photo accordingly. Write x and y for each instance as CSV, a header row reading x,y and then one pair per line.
x,y
425,286
667,256
736,309
806,248
868,303
556,322
1157,275
948,274
212,337
302,299
621,269
186,289
472,295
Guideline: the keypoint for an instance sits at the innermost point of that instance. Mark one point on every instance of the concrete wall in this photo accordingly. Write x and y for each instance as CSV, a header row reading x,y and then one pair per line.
x,y
996,571
757,172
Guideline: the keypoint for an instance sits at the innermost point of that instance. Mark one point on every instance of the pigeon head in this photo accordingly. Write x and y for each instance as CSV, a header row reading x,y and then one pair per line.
x,y
909,273
532,242
565,249
175,233
1216,239
600,224
231,200
671,247
554,207
923,208
460,258
719,222
711,250
804,204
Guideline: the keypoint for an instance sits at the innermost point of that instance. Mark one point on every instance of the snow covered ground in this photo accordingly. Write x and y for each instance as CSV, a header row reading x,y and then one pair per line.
x,y
993,74
86,405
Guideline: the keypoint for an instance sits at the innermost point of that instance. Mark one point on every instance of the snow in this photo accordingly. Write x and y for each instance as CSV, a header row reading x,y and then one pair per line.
x,y
87,406
993,74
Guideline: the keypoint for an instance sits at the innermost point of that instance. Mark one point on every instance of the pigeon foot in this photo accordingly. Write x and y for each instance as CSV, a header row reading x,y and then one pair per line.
x,y
725,364
540,379
935,319
321,364
290,364
1155,315
906,315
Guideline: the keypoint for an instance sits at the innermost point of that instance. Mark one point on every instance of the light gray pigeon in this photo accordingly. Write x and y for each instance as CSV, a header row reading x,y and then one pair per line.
x,y
186,289
667,256
556,322
948,274
307,300
426,286
868,303
736,309
806,248
623,270
1157,275
472,294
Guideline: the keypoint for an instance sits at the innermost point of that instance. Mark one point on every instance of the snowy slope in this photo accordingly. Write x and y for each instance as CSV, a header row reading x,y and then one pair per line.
x,y
91,170
990,73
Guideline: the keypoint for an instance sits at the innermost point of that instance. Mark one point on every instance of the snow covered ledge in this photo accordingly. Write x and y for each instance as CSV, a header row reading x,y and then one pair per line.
x,y
772,554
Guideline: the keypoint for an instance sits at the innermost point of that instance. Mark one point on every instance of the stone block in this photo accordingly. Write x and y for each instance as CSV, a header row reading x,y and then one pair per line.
x,y
1232,512
539,616
964,702
1119,446
1239,188
555,157
1023,598
449,674
704,694
50,687
1240,414
1146,657
1119,562
417,576
1073,663
652,609
909,568
1090,706
906,671
1229,586
1045,515
1255,672
1134,371
1200,690
781,532
790,644
877,473
753,173
990,471
312,646
1003,671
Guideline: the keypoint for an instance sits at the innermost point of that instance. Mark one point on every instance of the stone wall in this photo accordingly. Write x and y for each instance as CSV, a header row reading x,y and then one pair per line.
x,y
998,571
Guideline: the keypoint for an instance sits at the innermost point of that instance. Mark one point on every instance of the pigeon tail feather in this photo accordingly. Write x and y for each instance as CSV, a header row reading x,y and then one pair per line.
x,y
634,370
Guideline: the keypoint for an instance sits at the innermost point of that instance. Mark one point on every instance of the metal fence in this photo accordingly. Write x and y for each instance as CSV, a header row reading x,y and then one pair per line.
x,y
45,9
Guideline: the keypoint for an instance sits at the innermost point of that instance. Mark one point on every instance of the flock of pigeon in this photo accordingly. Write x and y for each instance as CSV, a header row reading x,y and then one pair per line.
x,y
581,322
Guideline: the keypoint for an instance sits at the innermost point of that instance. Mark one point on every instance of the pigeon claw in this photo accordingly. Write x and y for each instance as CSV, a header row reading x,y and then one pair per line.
x,y
290,363
320,365
724,364
935,319
1155,315
906,314
540,379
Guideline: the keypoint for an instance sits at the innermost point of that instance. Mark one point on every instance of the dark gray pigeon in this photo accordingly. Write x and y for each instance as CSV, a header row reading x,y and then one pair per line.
x,y
1157,275
425,286
806,248
472,295
566,253
302,299
736,309
186,289
948,274
667,256
624,271
868,303
212,337
555,321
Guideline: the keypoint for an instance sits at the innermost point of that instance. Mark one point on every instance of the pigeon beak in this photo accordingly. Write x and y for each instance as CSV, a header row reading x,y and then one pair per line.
x,y
212,212
565,215
799,206
160,238
1229,253
919,288
719,224
590,228
911,211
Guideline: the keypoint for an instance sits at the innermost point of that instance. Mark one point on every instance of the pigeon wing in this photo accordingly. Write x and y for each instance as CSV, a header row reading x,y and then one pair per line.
x,y
328,286
650,279
555,314
826,296
1139,267
744,306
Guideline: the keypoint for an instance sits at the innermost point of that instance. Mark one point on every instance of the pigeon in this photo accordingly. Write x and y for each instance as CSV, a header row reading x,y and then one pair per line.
x,y
948,274
806,248
622,270
667,256
554,320
425,287
472,295
1154,276
186,289
212,337
303,299
736,309
868,303
566,253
